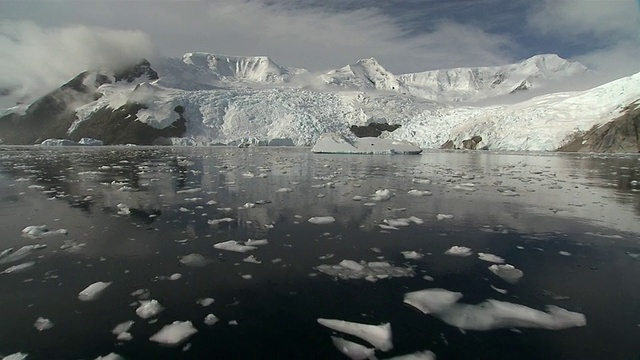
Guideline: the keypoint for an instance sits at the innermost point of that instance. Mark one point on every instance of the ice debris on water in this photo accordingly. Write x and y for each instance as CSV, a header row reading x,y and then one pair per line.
x,y
43,324
415,192
174,333
233,245
382,195
458,251
260,242
122,330
252,259
194,259
210,319
220,221
377,335
353,350
149,308
38,231
16,356
444,216
507,272
371,271
19,268
490,258
93,291
321,220
123,209
9,255
490,314
412,255
420,355
205,302
110,356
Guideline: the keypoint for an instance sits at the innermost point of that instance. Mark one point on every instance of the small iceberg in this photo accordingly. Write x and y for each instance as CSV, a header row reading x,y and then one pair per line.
x,y
175,333
353,350
376,335
93,291
334,143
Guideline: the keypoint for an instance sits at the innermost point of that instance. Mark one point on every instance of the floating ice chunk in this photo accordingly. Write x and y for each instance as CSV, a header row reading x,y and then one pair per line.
x,y
247,276
175,333
148,308
357,198
507,272
397,222
206,301
388,227
458,251
93,291
123,209
175,276
43,324
110,356
420,355
38,231
189,191
376,335
411,255
420,181
220,221
252,259
382,195
444,216
284,190
608,236
8,255
321,220
415,192
494,314
251,242
465,187
432,301
233,245
490,258
349,269
210,319
16,356
19,268
564,253
194,259
353,350
122,328
501,291
416,220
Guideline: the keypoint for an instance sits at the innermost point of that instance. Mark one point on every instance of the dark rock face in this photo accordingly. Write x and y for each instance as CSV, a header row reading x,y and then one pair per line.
x,y
523,86
51,116
620,135
140,69
468,144
373,129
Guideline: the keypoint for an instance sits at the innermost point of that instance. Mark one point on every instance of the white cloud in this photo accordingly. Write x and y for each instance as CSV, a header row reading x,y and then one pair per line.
x,y
603,19
35,60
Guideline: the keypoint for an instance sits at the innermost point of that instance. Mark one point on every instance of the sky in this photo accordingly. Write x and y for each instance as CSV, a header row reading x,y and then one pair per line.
x,y
46,42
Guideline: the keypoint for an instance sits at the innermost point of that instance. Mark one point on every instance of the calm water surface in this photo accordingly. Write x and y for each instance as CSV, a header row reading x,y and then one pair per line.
x,y
571,223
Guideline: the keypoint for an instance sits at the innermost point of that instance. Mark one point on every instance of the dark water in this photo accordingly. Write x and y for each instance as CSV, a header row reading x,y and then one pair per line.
x,y
586,205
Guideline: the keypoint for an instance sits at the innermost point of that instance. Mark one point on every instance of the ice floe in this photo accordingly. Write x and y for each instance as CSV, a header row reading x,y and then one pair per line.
x,y
371,271
334,143
233,245
122,331
377,335
19,268
110,356
382,195
490,258
210,319
38,231
148,308
260,242
412,255
420,355
16,356
490,314
321,220
205,302
353,350
458,251
43,324
194,259
444,216
174,333
9,255
220,221
415,192
252,259
507,272
93,291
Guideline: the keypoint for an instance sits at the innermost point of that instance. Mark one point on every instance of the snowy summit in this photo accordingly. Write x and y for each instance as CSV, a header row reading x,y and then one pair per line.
x,y
209,99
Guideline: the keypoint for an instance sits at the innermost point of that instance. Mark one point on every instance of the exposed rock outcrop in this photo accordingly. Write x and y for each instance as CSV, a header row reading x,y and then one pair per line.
x,y
373,129
51,116
468,144
620,135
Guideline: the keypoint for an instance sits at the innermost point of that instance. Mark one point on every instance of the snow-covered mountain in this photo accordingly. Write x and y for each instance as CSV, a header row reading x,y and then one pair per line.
x,y
204,99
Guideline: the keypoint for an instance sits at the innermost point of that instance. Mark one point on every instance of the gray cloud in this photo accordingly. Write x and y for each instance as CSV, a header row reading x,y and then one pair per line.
x,y
34,60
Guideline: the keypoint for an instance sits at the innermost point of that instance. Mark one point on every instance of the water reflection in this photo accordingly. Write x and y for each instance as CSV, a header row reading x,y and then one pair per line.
x,y
133,213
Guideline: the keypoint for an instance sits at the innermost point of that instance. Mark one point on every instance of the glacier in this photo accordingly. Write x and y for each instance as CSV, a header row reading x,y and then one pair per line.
x,y
251,100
